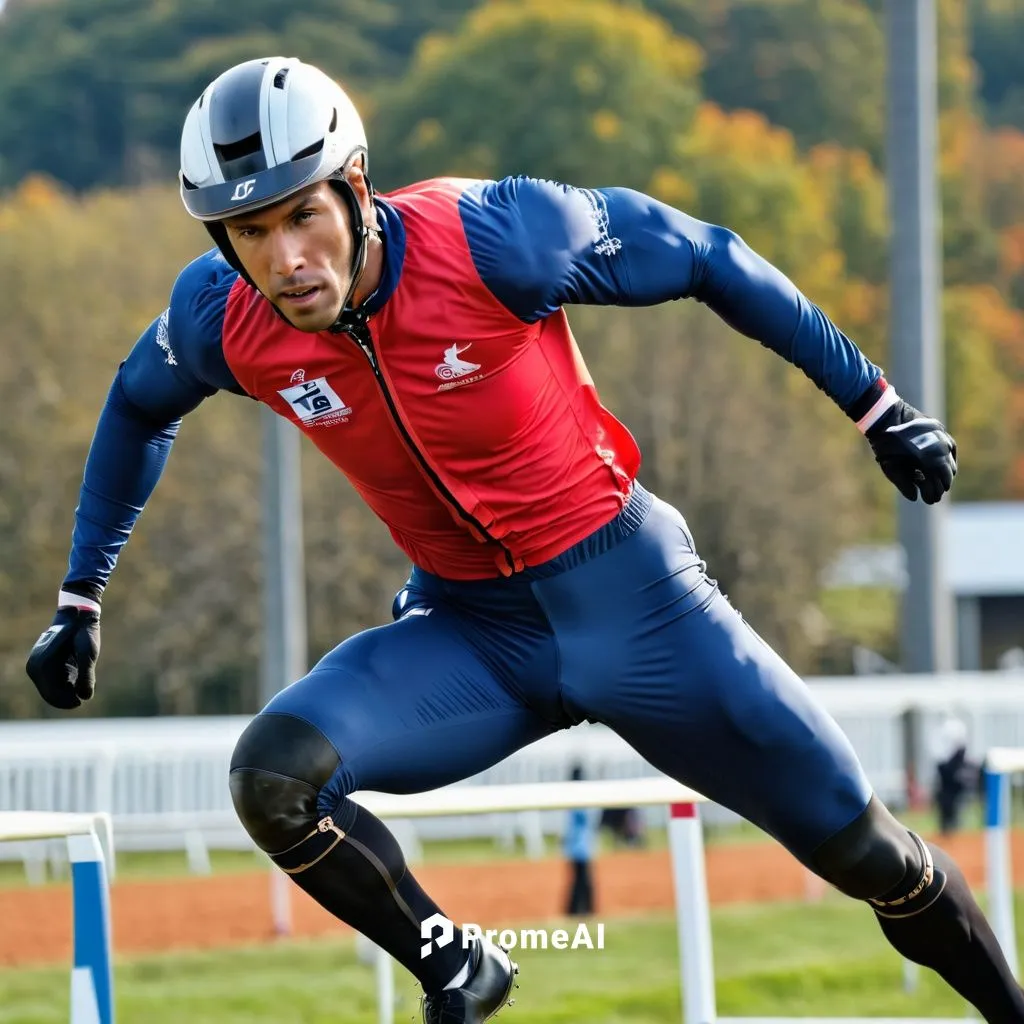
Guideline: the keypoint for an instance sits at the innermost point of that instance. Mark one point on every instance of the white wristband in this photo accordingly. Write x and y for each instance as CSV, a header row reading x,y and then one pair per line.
x,y
65,599
886,401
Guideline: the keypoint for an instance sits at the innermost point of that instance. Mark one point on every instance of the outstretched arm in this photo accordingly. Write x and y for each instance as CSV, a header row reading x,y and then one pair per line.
x,y
174,365
133,437
539,245
551,245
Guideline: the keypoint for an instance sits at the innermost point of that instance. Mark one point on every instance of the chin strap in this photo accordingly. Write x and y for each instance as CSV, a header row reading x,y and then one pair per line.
x,y
349,318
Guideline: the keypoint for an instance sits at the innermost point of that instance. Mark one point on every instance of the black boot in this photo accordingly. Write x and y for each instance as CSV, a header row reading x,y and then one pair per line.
x,y
492,976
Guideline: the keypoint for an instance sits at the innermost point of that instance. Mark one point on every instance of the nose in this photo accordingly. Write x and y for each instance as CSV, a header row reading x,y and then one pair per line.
x,y
286,256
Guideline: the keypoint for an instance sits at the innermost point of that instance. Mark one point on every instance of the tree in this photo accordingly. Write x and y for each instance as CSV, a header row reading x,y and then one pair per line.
x,y
978,329
583,92
95,91
737,170
815,67
997,27
857,200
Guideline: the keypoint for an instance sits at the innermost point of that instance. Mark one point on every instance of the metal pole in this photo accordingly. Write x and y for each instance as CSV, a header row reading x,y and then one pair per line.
x,y
927,640
284,626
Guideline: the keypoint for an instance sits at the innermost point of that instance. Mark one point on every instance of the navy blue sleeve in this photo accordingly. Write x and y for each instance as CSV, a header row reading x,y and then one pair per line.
x,y
539,245
176,363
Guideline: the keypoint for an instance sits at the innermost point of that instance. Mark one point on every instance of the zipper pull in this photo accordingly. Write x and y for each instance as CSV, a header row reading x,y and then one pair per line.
x,y
362,337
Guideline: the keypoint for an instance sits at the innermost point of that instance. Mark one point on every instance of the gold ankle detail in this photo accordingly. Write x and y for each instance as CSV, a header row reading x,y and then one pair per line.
x,y
323,825
927,877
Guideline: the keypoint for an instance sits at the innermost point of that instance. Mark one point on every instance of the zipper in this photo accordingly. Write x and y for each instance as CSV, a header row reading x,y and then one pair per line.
x,y
362,337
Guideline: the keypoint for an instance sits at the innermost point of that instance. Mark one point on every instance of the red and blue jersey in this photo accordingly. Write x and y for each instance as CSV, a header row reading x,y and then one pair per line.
x,y
465,417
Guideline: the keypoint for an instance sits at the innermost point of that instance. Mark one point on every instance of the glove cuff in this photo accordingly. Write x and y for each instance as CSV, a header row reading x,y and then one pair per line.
x,y
873,404
69,599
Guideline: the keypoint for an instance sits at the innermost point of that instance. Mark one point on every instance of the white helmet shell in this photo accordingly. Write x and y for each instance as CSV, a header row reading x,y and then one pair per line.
x,y
261,131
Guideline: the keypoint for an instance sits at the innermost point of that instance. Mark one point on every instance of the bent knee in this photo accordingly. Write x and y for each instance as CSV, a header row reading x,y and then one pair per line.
x,y
278,767
869,857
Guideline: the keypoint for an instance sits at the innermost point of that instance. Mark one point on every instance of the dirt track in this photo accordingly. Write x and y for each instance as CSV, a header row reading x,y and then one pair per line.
x,y
192,913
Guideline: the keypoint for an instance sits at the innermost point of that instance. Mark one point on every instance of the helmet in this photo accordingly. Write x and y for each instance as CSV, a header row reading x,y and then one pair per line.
x,y
260,132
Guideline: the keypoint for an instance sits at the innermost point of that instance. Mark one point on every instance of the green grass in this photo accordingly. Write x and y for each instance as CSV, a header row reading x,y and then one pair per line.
x,y
924,821
862,615
156,864
797,959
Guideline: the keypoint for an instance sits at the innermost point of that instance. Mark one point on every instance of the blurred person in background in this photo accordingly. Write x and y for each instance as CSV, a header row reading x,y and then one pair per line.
x,y
956,776
420,341
625,826
578,847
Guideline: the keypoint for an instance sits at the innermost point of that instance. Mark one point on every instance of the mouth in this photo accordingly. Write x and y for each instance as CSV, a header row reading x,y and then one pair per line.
x,y
300,296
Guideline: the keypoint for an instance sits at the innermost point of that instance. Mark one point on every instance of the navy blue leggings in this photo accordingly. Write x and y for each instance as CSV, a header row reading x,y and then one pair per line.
x,y
626,629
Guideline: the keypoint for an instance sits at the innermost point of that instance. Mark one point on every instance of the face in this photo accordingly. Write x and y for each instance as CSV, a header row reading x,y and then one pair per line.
x,y
298,254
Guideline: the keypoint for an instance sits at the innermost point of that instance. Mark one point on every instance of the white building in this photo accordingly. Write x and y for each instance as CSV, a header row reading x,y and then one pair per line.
x,y
984,569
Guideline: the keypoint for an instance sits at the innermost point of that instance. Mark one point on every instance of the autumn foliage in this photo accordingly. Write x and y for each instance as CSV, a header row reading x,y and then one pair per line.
x,y
763,115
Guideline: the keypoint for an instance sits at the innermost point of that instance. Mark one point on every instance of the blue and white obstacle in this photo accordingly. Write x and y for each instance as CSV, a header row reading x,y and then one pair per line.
x,y
1001,764
92,983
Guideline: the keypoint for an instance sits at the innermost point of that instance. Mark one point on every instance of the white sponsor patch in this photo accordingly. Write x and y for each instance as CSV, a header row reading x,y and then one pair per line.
x,y
315,401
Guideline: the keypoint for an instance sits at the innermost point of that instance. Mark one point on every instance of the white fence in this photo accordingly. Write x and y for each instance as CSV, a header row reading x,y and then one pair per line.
x,y
164,780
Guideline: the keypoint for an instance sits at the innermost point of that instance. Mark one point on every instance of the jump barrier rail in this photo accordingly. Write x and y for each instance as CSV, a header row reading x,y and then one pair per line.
x,y
92,983
686,840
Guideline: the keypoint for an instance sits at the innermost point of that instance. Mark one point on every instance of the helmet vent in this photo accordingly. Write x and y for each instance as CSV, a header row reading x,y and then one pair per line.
x,y
243,157
334,120
228,151
280,77
309,150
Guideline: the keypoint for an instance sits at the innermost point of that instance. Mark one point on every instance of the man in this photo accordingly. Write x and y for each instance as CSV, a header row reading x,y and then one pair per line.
x,y
578,847
419,341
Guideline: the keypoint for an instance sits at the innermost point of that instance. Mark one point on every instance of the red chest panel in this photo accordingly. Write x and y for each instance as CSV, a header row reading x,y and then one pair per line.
x,y
480,440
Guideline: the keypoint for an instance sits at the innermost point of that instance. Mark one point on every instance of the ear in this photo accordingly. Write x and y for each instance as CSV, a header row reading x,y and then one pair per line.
x,y
356,177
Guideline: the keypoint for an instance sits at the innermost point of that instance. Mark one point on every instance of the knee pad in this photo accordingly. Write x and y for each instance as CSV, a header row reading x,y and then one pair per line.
x,y
877,859
277,770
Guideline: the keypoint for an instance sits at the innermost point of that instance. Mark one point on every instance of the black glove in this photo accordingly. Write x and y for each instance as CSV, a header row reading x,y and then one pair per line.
x,y
62,663
915,452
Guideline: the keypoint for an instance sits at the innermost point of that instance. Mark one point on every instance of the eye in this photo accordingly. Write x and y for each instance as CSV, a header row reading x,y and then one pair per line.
x,y
246,232
303,216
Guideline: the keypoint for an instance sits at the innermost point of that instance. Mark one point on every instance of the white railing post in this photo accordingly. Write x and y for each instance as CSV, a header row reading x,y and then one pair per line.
x,y
693,917
281,901
385,970
998,861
